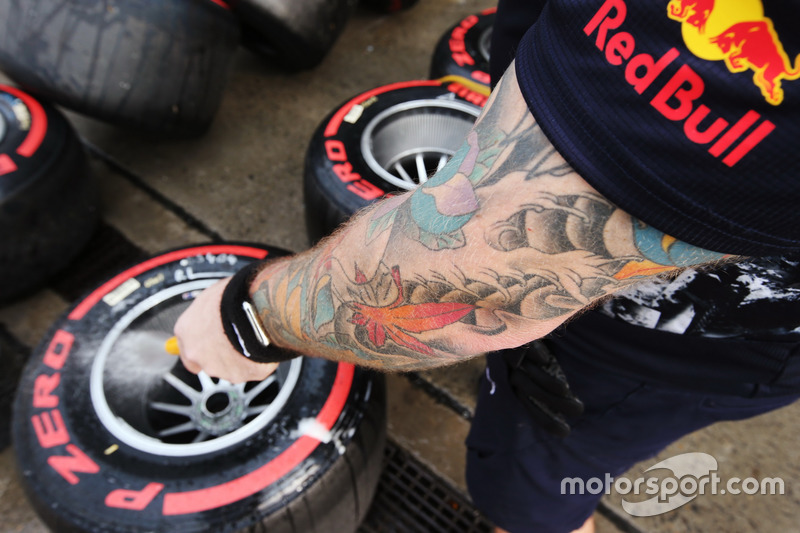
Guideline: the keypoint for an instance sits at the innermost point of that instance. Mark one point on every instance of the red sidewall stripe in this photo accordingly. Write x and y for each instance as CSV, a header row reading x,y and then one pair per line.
x,y
222,4
196,501
179,503
38,129
333,126
82,308
7,164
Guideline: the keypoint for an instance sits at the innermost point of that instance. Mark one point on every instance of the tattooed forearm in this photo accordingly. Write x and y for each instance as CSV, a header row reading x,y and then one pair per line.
x,y
348,315
498,248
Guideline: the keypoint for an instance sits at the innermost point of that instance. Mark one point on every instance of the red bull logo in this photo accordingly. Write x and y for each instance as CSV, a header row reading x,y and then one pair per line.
x,y
737,32
681,96
695,13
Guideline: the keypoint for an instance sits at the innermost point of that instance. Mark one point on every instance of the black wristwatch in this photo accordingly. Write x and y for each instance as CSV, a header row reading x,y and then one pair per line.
x,y
241,323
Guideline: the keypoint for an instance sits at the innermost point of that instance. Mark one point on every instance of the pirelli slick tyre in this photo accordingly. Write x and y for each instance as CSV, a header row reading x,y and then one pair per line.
x,y
296,34
154,66
114,435
48,201
464,49
383,141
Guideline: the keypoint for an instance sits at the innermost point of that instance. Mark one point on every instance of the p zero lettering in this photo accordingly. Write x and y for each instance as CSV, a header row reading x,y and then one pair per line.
x,y
337,154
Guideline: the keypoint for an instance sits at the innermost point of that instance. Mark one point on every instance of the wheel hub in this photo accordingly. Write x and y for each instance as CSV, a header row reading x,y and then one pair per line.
x,y
408,142
220,410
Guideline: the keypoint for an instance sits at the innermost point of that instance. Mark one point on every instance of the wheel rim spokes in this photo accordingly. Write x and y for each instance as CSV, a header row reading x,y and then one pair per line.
x,y
422,174
180,428
152,403
218,408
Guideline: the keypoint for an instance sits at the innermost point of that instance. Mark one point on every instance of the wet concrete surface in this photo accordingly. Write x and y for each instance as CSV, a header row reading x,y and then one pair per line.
x,y
242,181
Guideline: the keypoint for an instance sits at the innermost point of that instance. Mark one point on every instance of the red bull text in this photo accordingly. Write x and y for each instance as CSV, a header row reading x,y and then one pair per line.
x,y
679,99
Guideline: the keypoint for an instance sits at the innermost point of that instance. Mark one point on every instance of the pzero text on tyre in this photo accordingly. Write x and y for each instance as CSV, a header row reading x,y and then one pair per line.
x,y
383,141
156,66
112,434
48,201
463,50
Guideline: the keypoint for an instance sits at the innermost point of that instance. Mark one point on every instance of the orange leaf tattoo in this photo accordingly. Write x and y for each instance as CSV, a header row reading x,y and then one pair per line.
x,y
641,268
396,321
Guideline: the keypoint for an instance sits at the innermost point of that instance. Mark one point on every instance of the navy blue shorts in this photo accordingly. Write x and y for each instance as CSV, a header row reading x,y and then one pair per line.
x,y
642,389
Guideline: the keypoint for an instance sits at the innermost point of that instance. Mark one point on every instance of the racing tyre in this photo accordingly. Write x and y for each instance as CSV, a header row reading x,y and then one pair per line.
x,y
12,359
48,201
7,386
464,49
388,6
386,140
296,35
154,66
6,391
113,435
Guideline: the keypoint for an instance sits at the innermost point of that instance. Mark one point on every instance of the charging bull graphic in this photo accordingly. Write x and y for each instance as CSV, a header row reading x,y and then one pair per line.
x,y
695,12
755,45
737,32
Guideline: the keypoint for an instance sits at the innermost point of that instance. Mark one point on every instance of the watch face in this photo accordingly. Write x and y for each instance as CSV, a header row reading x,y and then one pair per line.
x,y
255,323
241,322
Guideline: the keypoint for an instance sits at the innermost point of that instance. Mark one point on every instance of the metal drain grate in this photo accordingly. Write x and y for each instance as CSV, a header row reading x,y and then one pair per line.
x,y
410,498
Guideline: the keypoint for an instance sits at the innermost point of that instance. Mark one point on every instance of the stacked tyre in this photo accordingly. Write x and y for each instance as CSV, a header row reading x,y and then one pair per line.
x,y
48,201
153,66
464,49
392,138
297,35
158,67
383,141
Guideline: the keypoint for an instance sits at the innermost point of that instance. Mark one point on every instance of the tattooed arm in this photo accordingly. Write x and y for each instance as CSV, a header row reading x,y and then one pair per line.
x,y
501,246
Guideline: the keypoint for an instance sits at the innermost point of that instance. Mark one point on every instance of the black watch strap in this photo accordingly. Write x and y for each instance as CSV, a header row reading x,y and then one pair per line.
x,y
240,320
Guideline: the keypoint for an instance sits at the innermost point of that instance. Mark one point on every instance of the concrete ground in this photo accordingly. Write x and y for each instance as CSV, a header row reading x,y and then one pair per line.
x,y
242,181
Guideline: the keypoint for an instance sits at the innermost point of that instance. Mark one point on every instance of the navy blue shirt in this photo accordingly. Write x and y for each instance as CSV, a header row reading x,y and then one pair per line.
x,y
684,114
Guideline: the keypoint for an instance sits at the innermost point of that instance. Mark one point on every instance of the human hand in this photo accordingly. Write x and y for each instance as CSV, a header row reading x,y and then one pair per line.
x,y
537,380
204,346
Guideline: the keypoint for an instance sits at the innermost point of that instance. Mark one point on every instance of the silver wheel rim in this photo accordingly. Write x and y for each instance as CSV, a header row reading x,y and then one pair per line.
x,y
207,414
408,142
485,43
2,127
